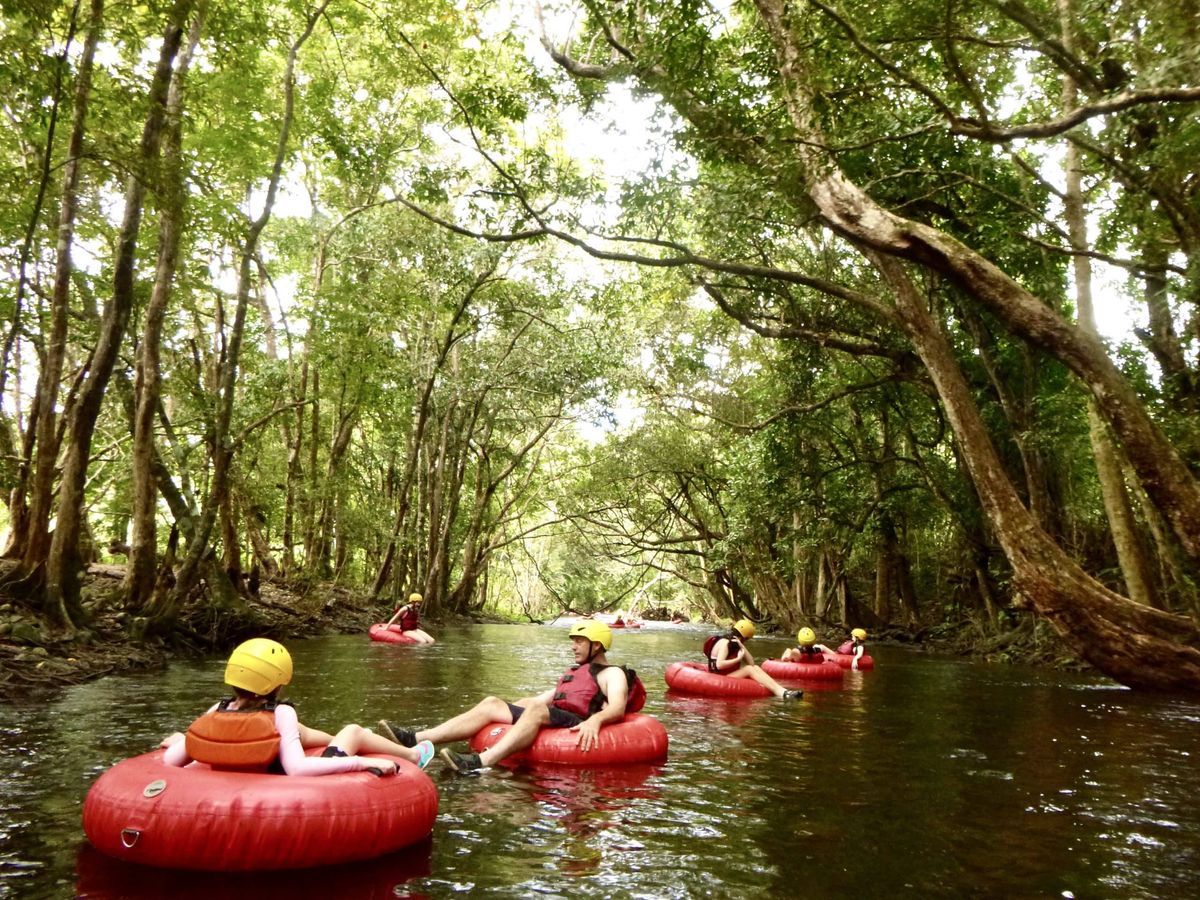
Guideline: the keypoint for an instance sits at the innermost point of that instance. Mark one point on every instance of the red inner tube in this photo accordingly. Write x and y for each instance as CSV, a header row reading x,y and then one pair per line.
x,y
845,659
637,738
197,818
389,634
778,668
694,678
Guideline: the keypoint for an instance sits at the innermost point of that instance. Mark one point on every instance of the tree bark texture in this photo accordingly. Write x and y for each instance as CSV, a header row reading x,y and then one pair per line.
x,y
64,562
143,556
34,537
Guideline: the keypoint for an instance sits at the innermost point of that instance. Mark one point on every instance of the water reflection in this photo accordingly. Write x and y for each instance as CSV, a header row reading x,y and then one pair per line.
x,y
100,877
926,775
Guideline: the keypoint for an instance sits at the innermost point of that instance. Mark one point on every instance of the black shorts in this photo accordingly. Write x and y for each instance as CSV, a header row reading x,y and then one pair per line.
x,y
559,718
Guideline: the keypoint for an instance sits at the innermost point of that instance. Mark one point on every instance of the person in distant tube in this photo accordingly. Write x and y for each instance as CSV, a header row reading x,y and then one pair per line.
x,y
410,620
807,650
854,646
727,655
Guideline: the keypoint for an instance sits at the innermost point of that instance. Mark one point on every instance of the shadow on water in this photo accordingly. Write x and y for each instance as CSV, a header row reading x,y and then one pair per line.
x,y
100,877
927,776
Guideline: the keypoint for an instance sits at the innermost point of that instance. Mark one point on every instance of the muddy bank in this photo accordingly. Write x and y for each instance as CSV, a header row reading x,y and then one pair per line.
x,y
35,662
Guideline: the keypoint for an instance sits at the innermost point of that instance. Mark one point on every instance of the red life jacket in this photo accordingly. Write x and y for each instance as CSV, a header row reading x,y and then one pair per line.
x,y
849,646
235,740
410,619
578,691
811,652
730,652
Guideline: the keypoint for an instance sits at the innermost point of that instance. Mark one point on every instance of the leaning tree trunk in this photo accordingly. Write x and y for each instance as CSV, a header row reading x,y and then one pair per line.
x,y
848,210
64,562
143,549
1134,644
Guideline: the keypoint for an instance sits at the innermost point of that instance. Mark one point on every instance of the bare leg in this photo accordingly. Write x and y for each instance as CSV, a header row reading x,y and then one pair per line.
x,y
521,735
354,739
790,655
756,674
464,725
419,636
312,737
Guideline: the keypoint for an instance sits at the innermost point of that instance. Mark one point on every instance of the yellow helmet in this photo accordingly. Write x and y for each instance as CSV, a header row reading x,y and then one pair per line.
x,y
806,636
259,666
593,630
745,628
415,598
859,634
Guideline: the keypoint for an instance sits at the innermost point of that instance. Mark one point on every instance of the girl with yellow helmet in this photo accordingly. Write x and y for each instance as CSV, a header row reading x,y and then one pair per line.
x,y
854,646
727,655
807,650
255,731
409,625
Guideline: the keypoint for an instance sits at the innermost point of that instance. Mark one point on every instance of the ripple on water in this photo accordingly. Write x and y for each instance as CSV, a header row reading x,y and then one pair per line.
x,y
925,775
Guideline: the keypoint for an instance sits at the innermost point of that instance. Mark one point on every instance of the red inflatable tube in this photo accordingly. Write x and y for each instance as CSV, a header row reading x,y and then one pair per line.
x,y
822,671
197,818
635,739
694,678
844,659
389,634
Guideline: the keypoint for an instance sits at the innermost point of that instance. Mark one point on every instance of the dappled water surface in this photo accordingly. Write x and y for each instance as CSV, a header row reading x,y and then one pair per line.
x,y
924,777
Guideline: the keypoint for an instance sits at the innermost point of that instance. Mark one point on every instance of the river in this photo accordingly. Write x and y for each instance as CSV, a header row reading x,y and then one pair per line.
x,y
925,777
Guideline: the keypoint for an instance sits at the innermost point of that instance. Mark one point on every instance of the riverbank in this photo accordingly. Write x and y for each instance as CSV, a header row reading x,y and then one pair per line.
x,y
35,662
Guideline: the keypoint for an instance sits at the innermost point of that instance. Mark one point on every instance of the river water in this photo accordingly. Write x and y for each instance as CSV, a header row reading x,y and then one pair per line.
x,y
925,777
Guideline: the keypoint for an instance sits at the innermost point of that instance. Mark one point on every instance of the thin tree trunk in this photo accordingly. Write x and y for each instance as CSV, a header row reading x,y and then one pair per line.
x,y
31,518
166,611
64,562
1132,558
18,500
143,556
410,467
294,450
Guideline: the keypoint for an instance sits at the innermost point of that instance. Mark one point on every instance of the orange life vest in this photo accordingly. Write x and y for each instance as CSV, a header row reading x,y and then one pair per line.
x,y
235,740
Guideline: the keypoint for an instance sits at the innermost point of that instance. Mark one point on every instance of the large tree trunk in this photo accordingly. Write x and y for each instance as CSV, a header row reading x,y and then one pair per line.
x,y
143,555
1135,644
64,562
848,210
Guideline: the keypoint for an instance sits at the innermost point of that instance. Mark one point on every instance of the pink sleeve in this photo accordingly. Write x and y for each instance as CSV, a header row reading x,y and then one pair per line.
x,y
291,752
